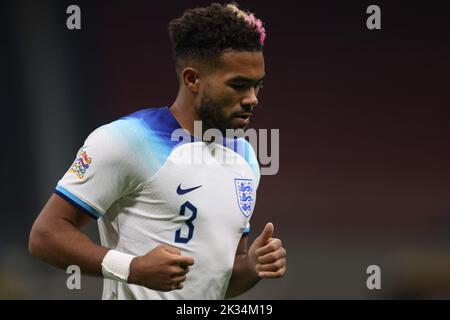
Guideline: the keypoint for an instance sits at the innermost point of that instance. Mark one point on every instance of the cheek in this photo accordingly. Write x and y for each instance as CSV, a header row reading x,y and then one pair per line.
x,y
224,97
224,100
229,98
229,102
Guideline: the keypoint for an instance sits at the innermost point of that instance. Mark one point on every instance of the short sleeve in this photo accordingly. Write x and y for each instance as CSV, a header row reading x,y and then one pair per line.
x,y
253,162
245,149
102,172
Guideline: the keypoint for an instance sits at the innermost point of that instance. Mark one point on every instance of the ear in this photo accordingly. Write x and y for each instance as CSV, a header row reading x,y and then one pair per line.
x,y
191,79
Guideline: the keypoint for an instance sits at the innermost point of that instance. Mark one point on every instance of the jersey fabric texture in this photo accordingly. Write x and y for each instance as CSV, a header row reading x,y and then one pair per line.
x,y
148,188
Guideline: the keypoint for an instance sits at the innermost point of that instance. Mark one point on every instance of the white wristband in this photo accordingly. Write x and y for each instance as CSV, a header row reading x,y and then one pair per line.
x,y
116,265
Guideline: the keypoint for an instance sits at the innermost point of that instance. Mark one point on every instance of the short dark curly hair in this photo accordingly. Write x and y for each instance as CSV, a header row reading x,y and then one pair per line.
x,y
203,33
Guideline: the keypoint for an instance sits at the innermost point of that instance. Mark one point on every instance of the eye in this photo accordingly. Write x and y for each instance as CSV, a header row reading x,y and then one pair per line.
x,y
238,86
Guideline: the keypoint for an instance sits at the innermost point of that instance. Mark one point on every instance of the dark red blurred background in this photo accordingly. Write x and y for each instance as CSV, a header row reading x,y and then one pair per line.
x,y
363,118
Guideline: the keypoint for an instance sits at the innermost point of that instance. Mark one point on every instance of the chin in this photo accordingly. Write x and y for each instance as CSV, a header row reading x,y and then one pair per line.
x,y
238,132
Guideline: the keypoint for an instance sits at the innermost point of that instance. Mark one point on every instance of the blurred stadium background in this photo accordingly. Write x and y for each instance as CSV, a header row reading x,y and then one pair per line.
x,y
363,116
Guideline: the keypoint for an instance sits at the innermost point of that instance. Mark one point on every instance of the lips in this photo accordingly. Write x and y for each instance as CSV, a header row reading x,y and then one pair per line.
x,y
243,118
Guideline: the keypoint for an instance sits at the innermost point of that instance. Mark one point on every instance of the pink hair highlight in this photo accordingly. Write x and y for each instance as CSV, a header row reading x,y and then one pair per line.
x,y
251,20
257,23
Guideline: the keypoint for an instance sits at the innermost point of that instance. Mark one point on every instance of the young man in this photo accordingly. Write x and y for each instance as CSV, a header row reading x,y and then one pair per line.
x,y
170,228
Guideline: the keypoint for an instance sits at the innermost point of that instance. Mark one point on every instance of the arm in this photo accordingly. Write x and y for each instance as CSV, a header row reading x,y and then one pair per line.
x,y
266,258
57,239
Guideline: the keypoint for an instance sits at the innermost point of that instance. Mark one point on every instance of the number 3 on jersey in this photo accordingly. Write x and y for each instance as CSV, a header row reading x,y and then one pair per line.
x,y
189,207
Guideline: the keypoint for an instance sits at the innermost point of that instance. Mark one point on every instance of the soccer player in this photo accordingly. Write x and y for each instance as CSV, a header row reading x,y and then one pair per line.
x,y
171,228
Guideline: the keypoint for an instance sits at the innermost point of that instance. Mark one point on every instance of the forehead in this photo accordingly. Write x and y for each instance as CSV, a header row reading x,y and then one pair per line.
x,y
241,63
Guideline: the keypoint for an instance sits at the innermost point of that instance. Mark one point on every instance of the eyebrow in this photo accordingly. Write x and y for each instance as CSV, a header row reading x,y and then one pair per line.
x,y
245,79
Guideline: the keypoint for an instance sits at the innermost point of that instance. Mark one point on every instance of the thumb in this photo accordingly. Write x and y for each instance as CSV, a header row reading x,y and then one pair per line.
x,y
171,249
266,234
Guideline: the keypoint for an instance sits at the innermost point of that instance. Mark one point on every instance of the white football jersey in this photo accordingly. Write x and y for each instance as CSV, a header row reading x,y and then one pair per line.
x,y
146,189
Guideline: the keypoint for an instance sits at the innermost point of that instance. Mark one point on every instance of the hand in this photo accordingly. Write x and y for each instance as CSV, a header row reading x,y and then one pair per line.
x,y
162,269
267,255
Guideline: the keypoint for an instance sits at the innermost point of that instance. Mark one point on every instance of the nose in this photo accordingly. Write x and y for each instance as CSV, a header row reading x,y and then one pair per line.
x,y
250,98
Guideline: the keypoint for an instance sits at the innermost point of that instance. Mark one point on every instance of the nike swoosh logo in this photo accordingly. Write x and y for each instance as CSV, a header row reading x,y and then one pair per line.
x,y
184,191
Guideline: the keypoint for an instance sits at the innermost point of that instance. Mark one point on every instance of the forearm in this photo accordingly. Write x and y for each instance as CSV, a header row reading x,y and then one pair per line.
x,y
61,244
243,277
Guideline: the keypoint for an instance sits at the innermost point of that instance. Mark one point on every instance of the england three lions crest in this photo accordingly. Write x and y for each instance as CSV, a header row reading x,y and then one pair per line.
x,y
244,193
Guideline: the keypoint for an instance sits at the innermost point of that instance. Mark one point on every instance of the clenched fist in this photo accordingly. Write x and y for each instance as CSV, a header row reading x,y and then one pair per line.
x,y
162,269
267,255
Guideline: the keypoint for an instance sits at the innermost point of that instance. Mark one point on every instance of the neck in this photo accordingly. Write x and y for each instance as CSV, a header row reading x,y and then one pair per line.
x,y
184,111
